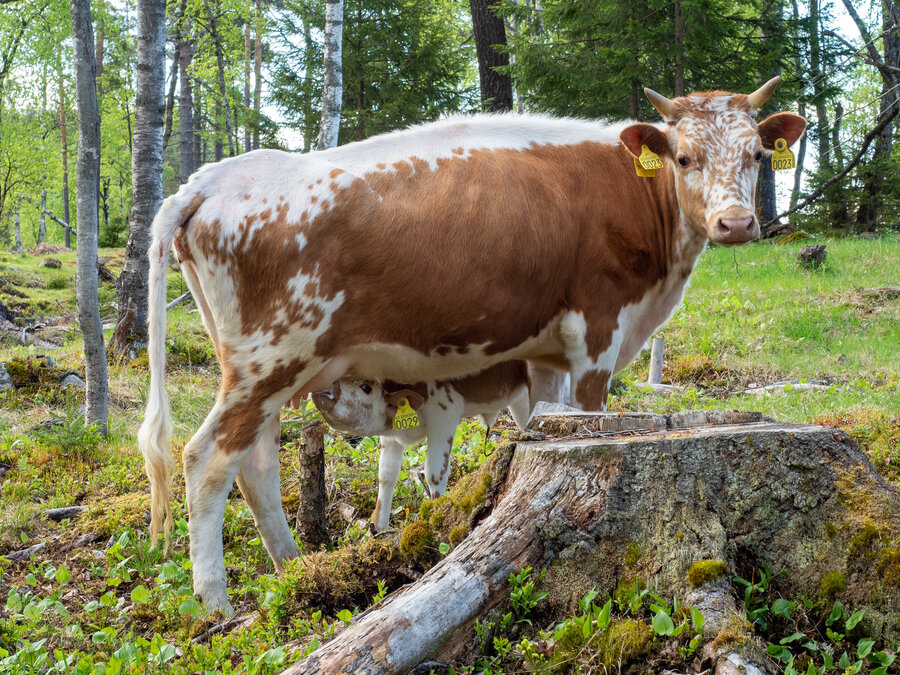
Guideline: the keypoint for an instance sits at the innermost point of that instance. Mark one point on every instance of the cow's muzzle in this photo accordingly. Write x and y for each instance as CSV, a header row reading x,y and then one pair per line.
x,y
734,229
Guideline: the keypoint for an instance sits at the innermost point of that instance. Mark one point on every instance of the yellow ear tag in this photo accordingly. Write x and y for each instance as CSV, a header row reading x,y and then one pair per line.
x,y
641,171
782,158
406,417
649,159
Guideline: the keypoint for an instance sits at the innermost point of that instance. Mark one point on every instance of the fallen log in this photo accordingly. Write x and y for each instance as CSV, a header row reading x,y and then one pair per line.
x,y
602,497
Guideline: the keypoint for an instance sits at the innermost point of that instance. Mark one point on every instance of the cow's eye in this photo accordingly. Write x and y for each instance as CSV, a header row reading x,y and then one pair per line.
x,y
684,161
366,389
758,156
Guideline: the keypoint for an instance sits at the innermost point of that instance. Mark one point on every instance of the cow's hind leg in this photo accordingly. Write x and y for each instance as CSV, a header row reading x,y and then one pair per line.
x,y
210,467
260,484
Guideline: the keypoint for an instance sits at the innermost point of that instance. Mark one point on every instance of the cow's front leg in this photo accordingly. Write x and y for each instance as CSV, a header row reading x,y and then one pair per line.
x,y
592,350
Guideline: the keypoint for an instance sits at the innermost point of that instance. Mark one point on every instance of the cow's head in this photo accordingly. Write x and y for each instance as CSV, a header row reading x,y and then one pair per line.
x,y
362,406
715,146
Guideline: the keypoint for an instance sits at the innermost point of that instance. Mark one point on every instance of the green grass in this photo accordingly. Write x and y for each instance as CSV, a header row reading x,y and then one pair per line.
x,y
751,316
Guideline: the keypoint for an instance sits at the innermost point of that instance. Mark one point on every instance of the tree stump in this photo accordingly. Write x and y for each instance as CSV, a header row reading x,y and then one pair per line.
x,y
812,255
597,498
311,514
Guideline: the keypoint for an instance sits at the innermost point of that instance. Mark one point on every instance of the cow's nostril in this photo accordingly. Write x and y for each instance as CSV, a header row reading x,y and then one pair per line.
x,y
723,227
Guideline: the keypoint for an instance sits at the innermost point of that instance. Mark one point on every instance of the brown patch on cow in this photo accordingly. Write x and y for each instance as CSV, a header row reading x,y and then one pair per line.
x,y
247,198
492,384
593,389
182,248
443,407
262,265
381,166
313,199
443,350
607,239
334,173
239,424
458,151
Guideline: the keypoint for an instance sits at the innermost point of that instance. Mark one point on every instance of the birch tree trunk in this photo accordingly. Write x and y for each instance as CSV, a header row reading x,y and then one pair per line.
x,y
185,105
64,151
146,176
87,183
42,228
489,29
334,87
247,141
257,72
220,66
18,230
679,50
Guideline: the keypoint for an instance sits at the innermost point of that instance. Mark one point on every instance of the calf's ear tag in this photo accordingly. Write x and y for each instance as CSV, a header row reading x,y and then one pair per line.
x,y
649,159
641,171
406,417
782,158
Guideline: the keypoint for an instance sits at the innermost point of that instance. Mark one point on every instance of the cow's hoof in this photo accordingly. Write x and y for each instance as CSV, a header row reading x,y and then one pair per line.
x,y
214,598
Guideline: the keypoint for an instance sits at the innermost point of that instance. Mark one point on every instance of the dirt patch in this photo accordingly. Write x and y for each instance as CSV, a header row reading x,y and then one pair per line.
x,y
45,248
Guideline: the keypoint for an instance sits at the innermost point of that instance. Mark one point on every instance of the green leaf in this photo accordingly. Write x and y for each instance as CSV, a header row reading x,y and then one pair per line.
x,y
99,638
140,595
345,615
782,608
791,638
775,651
444,548
31,580
844,661
63,575
863,647
603,616
189,606
882,658
662,623
697,619
836,612
854,619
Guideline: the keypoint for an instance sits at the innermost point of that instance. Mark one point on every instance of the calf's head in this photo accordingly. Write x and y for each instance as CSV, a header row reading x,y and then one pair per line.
x,y
715,146
362,406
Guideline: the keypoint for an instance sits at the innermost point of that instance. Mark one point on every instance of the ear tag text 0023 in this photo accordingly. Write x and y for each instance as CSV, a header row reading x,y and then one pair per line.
x,y
647,163
406,417
782,158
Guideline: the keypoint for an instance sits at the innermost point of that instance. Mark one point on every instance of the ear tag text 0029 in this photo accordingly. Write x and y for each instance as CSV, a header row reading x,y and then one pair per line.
x,y
782,158
406,417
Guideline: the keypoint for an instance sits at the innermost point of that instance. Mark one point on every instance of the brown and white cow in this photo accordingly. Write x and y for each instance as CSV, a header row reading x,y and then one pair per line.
x,y
369,408
433,253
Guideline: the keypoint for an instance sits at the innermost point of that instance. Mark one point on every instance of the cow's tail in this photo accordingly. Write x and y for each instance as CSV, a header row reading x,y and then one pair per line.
x,y
156,430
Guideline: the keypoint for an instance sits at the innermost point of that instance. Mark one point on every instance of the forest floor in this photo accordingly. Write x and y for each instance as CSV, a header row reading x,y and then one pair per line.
x,y
95,598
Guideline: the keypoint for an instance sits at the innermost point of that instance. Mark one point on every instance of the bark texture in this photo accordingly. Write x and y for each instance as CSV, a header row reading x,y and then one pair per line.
x,y
596,498
311,515
147,176
87,182
334,86
489,29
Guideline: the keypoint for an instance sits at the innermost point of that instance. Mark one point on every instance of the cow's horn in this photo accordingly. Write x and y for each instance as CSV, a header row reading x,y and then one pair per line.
x,y
660,102
761,95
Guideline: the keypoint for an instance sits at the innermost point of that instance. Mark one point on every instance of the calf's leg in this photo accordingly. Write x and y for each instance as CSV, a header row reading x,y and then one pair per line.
x,y
388,470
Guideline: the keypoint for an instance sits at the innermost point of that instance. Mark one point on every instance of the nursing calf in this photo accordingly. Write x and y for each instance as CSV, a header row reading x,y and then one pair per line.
x,y
371,408
428,254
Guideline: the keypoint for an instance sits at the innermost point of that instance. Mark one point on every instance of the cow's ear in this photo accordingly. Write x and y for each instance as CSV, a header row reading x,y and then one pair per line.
x,y
416,400
636,135
781,125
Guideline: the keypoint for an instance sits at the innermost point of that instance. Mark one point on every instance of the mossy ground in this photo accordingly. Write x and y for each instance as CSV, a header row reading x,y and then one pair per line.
x,y
756,320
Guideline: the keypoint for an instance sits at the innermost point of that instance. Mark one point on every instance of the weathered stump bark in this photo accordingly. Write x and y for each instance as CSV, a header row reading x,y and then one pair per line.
x,y
605,497
311,515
